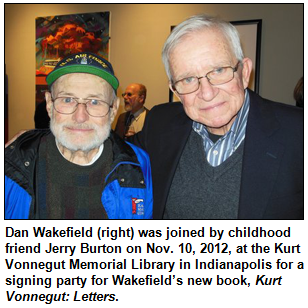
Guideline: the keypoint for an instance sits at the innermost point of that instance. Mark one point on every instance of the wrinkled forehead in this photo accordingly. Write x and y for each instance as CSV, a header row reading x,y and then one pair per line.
x,y
204,46
198,39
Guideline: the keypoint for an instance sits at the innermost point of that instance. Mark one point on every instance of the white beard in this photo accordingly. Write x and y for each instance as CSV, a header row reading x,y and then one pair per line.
x,y
127,107
63,137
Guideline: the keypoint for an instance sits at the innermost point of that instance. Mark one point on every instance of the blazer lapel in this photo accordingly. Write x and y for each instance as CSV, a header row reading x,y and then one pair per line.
x,y
262,155
170,146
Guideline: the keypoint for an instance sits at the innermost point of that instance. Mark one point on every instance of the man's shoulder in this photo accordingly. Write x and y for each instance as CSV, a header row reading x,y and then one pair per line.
x,y
29,139
276,116
20,156
166,116
128,152
166,110
121,148
122,115
276,109
141,154
283,107
167,106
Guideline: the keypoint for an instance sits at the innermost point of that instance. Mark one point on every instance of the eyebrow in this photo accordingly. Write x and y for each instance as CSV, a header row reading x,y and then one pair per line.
x,y
65,93
98,96
214,67
184,76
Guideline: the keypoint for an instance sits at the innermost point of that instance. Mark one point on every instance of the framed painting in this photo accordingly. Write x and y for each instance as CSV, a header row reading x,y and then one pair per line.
x,y
250,35
62,35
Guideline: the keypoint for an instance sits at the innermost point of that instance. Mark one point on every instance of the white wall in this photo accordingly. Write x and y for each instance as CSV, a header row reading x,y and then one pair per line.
x,y
138,32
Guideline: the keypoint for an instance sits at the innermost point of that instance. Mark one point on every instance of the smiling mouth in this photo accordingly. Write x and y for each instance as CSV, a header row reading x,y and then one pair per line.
x,y
79,130
217,105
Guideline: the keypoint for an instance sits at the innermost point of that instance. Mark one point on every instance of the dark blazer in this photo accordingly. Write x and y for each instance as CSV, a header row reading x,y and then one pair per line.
x,y
122,119
120,126
272,169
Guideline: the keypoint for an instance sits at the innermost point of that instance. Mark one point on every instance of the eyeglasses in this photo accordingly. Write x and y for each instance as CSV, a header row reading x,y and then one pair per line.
x,y
128,94
215,77
94,107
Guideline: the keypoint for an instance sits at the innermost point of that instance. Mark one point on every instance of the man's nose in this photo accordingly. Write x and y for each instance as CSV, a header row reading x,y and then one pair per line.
x,y
207,90
81,115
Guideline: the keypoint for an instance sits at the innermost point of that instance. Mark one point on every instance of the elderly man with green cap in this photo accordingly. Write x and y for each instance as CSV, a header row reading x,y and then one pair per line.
x,y
79,169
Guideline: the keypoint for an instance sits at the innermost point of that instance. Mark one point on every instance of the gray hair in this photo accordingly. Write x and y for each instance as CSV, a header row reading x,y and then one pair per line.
x,y
198,23
142,90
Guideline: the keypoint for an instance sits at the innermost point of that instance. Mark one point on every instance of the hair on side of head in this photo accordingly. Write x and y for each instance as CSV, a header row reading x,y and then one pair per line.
x,y
142,90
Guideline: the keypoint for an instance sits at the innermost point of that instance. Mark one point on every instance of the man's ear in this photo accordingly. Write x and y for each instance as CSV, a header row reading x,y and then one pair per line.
x,y
114,108
49,104
246,71
171,87
174,92
141,98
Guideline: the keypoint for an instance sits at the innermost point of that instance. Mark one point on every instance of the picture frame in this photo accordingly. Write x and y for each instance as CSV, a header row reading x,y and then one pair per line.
x,y
250,34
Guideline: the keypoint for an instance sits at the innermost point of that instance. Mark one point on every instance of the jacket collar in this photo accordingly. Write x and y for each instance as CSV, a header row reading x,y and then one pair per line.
x,y
21,156
121,150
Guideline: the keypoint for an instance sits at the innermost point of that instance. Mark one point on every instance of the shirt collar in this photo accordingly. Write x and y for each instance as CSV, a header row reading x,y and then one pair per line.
x,y
241,116
138,113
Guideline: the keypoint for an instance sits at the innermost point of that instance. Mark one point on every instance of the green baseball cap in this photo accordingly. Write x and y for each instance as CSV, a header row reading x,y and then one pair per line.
x,y
84,62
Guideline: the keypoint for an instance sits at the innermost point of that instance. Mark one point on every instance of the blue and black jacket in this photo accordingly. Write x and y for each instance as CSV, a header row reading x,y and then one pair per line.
x,y
128,187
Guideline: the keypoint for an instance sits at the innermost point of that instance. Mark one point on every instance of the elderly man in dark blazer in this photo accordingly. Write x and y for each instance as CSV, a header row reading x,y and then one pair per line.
x,y
223,152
